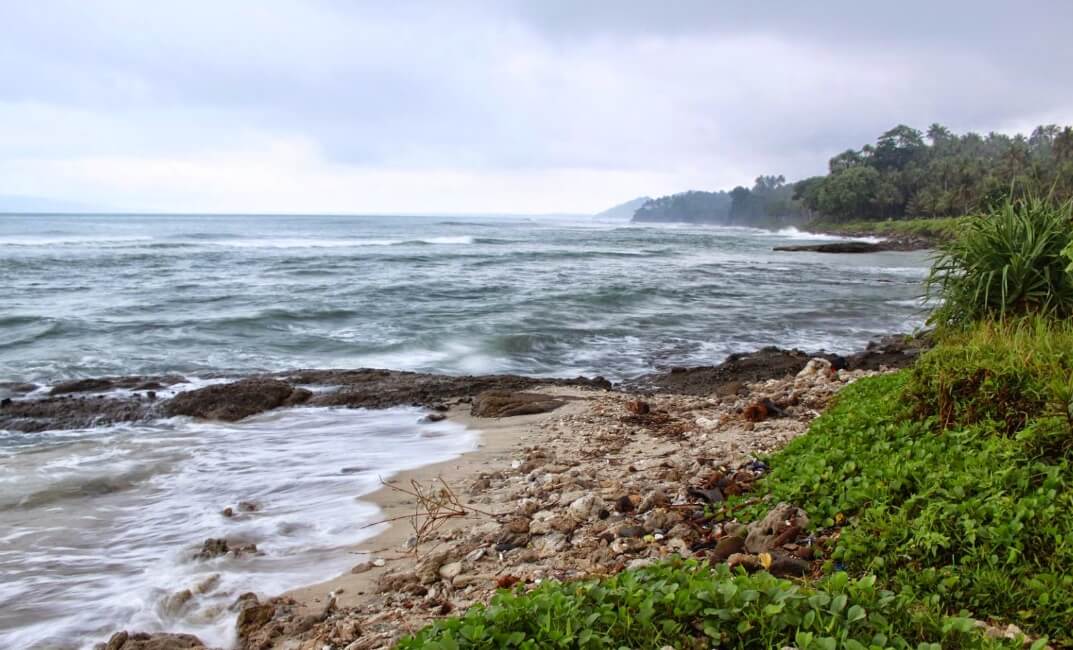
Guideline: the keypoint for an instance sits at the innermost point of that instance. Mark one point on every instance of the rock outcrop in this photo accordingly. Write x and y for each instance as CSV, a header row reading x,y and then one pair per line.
x,y
237,400
505,404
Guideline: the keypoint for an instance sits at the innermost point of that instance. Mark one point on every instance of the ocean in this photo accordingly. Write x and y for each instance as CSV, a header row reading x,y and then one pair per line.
x,y
98,526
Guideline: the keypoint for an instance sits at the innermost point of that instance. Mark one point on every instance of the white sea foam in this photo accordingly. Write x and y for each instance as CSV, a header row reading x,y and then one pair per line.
x,y
110,518
794,233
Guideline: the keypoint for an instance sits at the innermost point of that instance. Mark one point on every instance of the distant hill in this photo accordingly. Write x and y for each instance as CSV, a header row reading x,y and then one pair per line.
x,y
623,211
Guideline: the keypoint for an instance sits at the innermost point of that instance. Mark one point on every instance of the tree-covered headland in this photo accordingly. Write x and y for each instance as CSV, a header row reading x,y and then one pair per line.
x,y
906,174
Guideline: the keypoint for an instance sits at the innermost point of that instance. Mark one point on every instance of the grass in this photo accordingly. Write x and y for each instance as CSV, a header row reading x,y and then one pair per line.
x,y
1009,262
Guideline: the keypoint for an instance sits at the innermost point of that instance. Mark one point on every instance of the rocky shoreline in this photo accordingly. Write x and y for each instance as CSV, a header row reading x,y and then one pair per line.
x,y
575,478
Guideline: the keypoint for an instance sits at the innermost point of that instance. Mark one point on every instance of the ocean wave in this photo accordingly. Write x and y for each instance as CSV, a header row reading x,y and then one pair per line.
x,y
794,233
45,240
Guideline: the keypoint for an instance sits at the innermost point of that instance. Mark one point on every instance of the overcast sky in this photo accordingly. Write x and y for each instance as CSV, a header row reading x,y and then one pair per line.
x,y
499,106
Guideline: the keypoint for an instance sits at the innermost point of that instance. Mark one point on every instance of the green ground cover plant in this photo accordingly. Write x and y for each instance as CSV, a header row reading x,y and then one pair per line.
x,y
966,516
685,604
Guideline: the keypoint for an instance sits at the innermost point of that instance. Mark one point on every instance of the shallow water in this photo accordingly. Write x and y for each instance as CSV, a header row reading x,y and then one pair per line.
x,y
98,527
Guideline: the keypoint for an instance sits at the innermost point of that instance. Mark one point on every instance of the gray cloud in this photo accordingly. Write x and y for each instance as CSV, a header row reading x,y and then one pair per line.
x,y
676,94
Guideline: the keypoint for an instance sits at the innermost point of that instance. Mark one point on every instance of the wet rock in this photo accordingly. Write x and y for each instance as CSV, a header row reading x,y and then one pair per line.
x,y
624,504
212,548
433,417
7,401
66,412
833,247
228,512
779,526
503,404
156,641
81,386
374,388
237,400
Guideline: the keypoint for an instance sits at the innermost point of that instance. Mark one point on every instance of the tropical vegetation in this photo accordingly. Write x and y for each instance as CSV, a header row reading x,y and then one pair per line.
x,y
907,173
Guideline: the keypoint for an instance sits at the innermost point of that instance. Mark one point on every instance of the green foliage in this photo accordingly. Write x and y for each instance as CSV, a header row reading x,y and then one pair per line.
x,y
1008,262
1000,374
937,229
684,604
965,518
902,175
770,201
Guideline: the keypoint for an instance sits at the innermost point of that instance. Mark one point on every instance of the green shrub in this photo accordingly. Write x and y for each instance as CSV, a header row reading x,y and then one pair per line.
x,y
1003,373
684,604
1006,262
964,518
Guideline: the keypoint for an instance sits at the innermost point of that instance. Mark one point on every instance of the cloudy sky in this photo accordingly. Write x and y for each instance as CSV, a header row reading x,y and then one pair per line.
x,y
498,106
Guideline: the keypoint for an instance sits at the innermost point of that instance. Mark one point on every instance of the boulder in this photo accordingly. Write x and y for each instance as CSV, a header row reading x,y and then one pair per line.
x,y
834,247
237,400
505,404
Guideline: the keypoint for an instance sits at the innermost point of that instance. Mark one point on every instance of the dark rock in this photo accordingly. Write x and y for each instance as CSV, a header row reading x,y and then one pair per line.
x,y
502,404
714,495
237,400
434,417
373,388
834,247
728,377
630,531
5,402
624,504
81,386
33,415
726,547
784,565
212,548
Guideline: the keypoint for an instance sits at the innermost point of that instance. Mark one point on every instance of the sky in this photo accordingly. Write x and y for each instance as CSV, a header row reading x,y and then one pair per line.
x,y
545,106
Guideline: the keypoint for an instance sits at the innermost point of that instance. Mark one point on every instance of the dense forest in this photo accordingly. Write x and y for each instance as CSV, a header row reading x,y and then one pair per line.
x,y
770,200
906,173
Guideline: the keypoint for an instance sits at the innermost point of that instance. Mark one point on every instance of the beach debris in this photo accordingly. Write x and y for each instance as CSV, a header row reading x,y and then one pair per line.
x,y
638,407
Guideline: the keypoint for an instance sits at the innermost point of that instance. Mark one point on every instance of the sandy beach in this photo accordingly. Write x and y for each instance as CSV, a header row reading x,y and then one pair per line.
x,y
608,481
